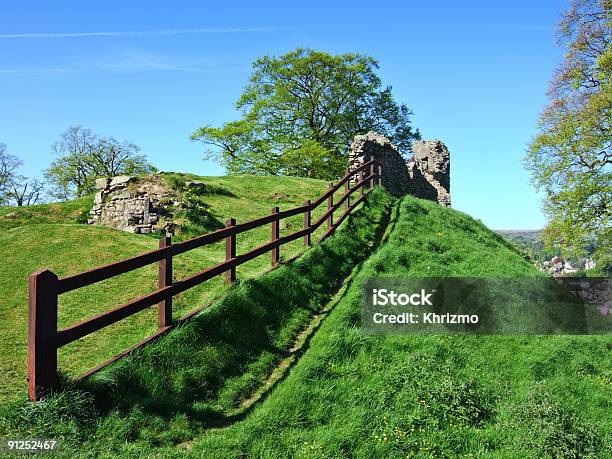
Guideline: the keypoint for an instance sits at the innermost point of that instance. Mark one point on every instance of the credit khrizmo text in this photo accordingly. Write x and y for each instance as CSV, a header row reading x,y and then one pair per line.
x,y
384,297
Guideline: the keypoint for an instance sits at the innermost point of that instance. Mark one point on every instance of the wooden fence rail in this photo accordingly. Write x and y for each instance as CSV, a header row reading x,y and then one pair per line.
x,y
44,338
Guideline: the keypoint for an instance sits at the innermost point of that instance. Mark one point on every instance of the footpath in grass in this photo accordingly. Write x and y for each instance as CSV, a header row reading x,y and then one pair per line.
x,y
167,392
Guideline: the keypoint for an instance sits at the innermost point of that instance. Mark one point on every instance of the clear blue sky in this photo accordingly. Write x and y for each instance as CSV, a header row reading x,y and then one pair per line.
x,y
474,73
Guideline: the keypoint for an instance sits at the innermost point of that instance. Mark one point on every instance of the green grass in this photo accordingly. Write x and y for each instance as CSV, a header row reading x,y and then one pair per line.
x,y
50,236
359,395
200,373
74,211
351,394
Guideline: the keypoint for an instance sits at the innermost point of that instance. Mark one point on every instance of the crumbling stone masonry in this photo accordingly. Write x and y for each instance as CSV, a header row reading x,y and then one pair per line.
x,y
124,203
373,145
426,175
429,171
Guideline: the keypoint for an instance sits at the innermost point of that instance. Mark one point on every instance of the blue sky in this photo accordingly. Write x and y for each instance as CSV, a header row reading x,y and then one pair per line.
x,y
474,73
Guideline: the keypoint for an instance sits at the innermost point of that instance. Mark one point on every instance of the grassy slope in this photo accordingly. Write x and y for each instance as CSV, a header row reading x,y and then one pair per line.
x,y
48,236
370,396
64,212
201,372
439,396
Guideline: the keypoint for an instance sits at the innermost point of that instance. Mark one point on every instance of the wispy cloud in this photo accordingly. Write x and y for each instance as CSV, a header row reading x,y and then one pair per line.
x,y
35,71
149,33
136,61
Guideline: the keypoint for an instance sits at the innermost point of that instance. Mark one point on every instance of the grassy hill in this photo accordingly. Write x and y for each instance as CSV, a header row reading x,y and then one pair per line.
x,y
347,393
54,236
436,396
74,211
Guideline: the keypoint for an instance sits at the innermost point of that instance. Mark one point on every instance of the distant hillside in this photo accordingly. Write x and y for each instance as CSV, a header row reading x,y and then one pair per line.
x,y
528,235
531,243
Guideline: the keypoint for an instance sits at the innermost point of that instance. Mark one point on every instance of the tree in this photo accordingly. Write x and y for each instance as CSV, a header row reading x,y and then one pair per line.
x,y
16,188
25,192
83,156
571,155
301,110
8,166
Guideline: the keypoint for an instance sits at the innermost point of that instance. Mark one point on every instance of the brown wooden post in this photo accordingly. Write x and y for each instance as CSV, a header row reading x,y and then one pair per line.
x,y
42,330
361,184
230,252
379,174
372,176
347,200
361,177
307,217
330,204
164,307
275,235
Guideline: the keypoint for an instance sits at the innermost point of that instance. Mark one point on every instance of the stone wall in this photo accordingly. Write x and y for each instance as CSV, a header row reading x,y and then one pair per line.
x,y
426,175
138,207
429,171
373,145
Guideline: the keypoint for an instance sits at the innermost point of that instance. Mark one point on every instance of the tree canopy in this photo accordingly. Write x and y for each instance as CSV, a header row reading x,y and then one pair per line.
x,y
571,155
301,110
83,156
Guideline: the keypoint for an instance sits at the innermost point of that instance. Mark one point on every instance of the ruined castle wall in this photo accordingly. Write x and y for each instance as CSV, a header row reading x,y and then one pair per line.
x,y
426,175
123,203
375,146
429,171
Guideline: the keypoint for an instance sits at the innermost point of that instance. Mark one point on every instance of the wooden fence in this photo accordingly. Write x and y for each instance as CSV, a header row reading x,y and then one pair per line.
x,y
44,338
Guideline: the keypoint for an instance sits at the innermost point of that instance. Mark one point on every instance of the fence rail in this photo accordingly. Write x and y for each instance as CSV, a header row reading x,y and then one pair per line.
x,y
44,338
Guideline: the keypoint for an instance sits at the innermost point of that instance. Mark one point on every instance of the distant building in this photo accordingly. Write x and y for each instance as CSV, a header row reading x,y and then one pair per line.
x,y
590,264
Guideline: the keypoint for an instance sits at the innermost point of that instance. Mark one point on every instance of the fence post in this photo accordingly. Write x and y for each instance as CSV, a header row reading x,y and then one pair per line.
x,y
361,184
372,176
42,330
330,204
379,174
307,217
230,252
164,307
361,177
275,235
347,199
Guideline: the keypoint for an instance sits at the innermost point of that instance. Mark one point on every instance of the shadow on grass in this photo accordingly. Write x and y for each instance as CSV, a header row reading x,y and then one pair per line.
x,y
317,321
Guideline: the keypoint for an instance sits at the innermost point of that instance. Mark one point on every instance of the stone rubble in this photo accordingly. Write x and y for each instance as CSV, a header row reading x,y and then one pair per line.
x,y
125,203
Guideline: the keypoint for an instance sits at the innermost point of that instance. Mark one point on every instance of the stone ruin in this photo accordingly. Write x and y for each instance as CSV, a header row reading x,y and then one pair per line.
x,y
426,175
127,204
147,206
429,171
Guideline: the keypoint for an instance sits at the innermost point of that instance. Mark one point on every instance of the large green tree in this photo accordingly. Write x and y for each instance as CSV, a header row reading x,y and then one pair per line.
x,y
82,156
570,158
301,110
